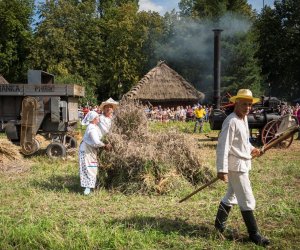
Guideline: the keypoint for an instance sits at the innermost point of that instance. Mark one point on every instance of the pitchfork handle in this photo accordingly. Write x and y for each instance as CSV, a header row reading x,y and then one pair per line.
x,y
200,188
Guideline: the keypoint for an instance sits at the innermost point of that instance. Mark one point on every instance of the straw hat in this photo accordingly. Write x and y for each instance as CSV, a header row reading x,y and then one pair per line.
x,y
109,101
244,94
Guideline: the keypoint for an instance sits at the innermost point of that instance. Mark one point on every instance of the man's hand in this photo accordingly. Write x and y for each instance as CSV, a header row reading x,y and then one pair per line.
x,y
255,152
223,176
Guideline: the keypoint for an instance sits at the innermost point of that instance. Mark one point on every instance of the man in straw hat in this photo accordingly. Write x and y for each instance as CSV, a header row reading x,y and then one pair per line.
x,y
107,107
234,153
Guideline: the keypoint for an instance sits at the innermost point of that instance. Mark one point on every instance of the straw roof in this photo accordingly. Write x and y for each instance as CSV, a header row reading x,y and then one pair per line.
x,y
2,80
164,84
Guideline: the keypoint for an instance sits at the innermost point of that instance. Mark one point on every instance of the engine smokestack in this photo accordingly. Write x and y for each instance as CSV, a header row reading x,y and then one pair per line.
x,y
217,67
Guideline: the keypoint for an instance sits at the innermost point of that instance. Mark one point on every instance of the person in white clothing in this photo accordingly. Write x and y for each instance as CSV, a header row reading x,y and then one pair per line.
x,y
234,154
107,109
88,163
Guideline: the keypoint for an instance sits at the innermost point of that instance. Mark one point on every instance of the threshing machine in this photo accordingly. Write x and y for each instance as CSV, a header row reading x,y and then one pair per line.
x,y
40,107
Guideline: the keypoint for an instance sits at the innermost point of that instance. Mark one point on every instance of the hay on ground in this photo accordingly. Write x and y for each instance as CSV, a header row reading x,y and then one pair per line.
x,y
142,161
11,160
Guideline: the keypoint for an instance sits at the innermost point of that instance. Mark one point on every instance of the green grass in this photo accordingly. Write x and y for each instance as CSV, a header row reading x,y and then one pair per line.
x,y
184,127
44,209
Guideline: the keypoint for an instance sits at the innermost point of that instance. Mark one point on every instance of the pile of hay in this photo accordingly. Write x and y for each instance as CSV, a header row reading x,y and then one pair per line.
x,y
11,160
146,162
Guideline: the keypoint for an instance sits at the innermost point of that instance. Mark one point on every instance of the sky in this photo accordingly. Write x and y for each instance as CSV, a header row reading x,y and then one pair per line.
x,y
162,6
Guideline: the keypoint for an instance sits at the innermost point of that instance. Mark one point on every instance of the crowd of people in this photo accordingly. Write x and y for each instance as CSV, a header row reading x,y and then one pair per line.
x,y
187,113
180,113
290,109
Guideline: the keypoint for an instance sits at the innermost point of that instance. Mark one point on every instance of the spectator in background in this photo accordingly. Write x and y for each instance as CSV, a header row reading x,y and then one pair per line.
x,y
172,114
200,116
85,110
189,113
206,113
164,115
182,114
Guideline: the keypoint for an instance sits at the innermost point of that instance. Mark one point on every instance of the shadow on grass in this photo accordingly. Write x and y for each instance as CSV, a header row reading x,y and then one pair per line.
x,y
69,183
166,226
178,226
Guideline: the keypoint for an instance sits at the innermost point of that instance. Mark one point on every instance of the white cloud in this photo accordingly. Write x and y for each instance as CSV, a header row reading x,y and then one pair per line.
x,y
147,5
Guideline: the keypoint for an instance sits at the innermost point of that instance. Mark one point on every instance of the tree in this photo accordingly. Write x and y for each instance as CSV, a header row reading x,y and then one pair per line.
x,y
68,41
15,38
128,38
213,8
241,68
279,49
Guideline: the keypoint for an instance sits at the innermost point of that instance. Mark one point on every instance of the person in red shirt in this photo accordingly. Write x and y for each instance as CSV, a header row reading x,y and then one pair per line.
x,y
85,110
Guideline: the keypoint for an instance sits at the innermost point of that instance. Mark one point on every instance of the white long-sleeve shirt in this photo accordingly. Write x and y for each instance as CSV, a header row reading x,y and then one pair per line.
x,y
93,136
104,124
234,148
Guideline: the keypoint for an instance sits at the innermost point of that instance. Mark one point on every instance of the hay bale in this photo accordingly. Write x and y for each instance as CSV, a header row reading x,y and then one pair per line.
x,y
147,162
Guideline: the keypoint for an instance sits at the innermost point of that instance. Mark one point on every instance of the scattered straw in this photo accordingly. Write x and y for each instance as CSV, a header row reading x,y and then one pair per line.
x,y
11,160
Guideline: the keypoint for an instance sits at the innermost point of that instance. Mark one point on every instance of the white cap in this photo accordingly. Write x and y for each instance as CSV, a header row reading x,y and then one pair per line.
x,y
90,116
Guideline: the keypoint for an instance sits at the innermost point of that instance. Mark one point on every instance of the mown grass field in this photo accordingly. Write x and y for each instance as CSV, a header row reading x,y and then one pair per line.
x,y
43,208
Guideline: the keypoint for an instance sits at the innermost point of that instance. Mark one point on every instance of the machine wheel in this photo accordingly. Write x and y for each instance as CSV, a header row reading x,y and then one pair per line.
x,y
269,131
56,149
70,142
29,148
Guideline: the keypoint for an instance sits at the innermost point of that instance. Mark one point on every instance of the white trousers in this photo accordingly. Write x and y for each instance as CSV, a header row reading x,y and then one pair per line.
x,y
239,191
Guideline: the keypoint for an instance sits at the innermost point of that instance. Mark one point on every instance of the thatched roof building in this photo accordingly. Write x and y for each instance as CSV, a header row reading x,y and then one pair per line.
x,y
2,80
164,86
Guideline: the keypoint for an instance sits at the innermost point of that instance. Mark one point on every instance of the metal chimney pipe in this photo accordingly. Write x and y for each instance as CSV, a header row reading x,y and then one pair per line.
x,y
217,67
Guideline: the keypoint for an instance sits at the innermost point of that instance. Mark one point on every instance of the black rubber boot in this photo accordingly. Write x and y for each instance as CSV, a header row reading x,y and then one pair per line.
x,y
221,218
251,225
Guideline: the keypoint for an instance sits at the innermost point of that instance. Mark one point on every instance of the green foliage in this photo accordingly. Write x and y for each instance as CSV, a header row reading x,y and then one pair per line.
x,y
213,8
183,127
129,38
278,37
90,98
15,38
239,66
110,45
68,39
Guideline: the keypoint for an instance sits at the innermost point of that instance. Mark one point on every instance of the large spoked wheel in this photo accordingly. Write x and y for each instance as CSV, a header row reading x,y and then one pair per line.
x,y
269,132
56,150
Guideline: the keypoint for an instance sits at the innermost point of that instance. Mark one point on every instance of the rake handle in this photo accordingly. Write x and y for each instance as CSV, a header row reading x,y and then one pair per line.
x,y
199,189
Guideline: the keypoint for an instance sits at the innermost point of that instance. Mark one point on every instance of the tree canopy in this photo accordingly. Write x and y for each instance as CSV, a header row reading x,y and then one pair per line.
x,y
278,36
107,46
15,38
